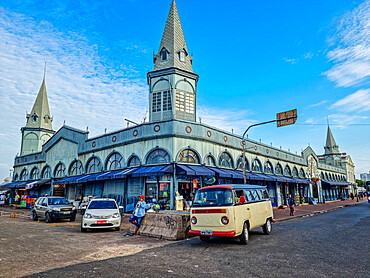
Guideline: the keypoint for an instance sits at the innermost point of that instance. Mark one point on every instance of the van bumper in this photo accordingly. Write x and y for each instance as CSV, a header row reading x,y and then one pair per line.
x,y
215,233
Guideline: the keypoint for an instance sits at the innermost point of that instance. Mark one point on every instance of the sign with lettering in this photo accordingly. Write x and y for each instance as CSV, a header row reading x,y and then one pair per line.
x,y
286,118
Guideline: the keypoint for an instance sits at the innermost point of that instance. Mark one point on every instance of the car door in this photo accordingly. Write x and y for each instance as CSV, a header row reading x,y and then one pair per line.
x,y
44,207
38,206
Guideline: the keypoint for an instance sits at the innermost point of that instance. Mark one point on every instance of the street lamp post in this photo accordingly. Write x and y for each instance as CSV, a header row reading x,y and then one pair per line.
x,y
282,119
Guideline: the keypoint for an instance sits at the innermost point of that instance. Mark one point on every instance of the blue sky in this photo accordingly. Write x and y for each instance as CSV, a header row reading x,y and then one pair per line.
x,y
254,59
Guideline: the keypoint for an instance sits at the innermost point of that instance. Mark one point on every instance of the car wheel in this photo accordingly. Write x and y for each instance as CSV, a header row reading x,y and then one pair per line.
x,y
205,238
34,216
83,230
72,219
244,237
117,228
48,218
267,227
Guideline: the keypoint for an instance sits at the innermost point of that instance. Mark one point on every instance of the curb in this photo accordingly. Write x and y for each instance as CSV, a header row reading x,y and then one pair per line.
x,y
313,213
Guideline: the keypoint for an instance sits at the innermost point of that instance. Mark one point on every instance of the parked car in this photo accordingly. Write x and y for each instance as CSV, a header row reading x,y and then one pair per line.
x,y
53,208
230,211
101,213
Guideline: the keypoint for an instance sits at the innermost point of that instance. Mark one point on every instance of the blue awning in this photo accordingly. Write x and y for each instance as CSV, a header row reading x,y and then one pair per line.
x,y
123,173
334,183
11,185
66,180
106,175
221,172
195,170
153,171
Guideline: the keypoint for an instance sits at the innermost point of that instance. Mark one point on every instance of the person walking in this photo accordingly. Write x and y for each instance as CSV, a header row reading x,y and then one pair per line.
x,y
2,199
139,213
291,205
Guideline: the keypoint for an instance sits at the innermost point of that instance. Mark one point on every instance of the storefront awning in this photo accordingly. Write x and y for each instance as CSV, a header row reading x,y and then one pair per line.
x,y
123,173
220,172
194,170
334,183
153,171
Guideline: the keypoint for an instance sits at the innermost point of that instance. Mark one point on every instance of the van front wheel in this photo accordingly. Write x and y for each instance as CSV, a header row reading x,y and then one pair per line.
x,y
267,227
244,237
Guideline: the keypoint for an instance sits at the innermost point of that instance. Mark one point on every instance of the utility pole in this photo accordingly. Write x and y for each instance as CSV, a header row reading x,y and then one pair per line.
x,y
282,119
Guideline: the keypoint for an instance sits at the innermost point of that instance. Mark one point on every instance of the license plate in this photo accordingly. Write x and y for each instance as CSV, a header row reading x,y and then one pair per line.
x,y
66,212
206,232
102,222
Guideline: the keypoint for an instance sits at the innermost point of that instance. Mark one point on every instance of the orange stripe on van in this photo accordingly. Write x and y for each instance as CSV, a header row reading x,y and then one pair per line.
x,y
197,211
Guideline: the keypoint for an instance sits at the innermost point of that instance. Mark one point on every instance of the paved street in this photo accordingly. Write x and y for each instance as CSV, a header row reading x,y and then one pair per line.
x,y
325,245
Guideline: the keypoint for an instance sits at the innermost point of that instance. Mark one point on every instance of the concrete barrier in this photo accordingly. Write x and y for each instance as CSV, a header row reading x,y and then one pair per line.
x,y
166,225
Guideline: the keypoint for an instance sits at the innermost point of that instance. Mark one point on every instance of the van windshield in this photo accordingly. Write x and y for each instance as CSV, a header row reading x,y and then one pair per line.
x,y
213,197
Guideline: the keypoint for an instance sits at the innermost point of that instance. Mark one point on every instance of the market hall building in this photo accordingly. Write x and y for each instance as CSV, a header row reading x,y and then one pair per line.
x,y
172,154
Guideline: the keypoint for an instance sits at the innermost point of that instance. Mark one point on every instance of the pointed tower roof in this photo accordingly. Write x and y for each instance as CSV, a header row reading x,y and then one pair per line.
x,y
173,42
331,147
40,114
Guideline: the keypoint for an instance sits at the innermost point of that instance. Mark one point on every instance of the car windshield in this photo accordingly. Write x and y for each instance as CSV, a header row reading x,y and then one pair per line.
x,y
102,205
213,197
57,201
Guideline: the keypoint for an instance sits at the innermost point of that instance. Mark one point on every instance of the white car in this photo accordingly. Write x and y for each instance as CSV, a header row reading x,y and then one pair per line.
x,y
101,214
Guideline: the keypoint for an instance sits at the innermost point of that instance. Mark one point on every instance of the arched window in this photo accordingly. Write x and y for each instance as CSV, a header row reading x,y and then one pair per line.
x,y
188,156
46,173
115,161
94,165
16,177
322,176
330,177
60,171
268,168
76,168
295,172
287,171
301,174
35,173
210,161
133,161
24,175
256,166
326,176
278,169
239,163
158,156
164,54
226,160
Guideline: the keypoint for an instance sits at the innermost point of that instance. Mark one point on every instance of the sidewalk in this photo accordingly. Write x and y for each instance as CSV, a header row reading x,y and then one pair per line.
x,y
309,210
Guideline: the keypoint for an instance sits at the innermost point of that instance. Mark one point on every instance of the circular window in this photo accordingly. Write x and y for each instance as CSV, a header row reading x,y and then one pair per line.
x,y
188,129
277,153
93,144
225,138
135,133
267,151
157,128
286,156
255,147
209,133
114,138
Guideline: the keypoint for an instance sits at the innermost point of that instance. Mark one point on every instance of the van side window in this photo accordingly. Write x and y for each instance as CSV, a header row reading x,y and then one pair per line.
x,y
249,195
255,195
239,193
265,194
259,193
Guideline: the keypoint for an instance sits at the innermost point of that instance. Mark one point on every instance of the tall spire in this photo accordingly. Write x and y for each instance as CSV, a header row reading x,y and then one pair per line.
x,y
40,114
173,43
331,147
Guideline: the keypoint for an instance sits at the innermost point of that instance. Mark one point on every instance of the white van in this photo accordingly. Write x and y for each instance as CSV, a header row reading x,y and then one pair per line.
x,y
230,211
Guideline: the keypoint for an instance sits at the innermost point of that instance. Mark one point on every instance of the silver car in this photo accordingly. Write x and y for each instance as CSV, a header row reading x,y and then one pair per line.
x,y
53,208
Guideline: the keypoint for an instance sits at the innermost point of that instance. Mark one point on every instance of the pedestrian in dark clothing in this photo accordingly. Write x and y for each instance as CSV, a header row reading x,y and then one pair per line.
x,y
291,205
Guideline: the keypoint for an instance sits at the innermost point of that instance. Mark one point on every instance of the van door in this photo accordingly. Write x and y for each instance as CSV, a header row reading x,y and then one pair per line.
x,y
258,214
241,210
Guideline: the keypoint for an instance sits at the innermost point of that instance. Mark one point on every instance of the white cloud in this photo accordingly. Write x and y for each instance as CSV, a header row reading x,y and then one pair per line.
x,y
351,57
343,120
81,89
318,104
356,102
236,121
291,60
308,55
